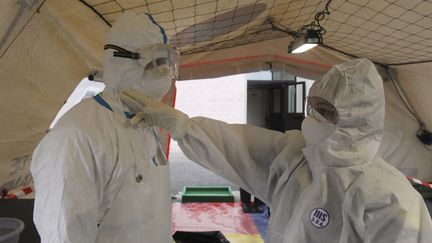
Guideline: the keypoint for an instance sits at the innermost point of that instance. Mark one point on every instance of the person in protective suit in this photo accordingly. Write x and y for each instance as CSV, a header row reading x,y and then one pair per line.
x,y
98,179
323,184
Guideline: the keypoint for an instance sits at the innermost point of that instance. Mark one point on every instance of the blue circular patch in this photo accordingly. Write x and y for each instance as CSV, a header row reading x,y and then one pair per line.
x,y
319,217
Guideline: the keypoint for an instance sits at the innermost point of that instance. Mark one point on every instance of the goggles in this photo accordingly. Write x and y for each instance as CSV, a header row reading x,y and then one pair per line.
x,y
323,108
153,56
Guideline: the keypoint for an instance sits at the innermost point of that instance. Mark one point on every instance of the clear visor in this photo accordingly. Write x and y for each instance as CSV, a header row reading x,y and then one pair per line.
x,y
160,56
324,108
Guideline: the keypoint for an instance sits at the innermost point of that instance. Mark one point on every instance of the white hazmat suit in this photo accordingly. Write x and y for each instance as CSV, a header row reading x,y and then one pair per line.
x,y
335,189
96,179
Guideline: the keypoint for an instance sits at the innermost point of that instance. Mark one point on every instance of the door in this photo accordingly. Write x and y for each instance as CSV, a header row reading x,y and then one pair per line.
x,y
277,105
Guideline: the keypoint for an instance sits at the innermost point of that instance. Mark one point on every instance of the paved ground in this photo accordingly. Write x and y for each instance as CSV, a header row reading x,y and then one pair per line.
x,y
187,173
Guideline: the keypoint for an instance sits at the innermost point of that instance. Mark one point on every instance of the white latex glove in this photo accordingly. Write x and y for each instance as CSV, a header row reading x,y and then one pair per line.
x,y
156,113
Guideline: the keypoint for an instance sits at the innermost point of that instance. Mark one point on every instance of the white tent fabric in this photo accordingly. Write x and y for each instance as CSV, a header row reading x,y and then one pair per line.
x,y
55,43
400,144
39,70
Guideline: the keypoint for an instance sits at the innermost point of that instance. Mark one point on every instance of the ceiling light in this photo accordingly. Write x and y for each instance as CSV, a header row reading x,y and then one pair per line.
x,y
306,41
308,36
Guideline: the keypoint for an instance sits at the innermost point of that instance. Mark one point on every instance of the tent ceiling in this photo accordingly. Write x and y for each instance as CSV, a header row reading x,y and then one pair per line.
x,y
389,32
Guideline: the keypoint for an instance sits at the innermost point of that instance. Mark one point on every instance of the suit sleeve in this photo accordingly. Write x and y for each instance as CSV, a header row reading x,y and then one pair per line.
x,y
242,154
68,186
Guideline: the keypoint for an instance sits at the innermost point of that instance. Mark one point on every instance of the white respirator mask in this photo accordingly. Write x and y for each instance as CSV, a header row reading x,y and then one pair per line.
x,y
315,127
314,132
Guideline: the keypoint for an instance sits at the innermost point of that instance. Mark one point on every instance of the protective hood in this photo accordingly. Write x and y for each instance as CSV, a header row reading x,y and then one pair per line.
x,y
356,90
131,31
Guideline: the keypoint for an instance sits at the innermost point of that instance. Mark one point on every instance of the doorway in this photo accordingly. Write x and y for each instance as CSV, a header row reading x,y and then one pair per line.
x,y
277,105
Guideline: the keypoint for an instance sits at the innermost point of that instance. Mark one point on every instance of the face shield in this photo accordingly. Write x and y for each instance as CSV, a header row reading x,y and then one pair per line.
x,y
160,58
320,109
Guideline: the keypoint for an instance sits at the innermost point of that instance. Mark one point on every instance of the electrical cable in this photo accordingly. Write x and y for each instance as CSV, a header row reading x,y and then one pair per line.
x,y
315,25
96,12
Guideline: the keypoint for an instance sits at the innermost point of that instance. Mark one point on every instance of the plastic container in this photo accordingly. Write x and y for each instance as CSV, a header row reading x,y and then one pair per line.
x,y
207,194
10,229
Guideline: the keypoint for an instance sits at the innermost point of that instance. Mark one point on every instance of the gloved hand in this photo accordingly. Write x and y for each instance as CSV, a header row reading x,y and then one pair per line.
x,y
155,113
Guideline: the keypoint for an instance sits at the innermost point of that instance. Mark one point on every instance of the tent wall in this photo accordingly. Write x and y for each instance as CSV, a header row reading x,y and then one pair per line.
x,y
401,146
53,52
416,80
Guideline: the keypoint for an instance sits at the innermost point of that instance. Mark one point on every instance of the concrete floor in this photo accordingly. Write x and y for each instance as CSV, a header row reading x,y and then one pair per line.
x,y
187,173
